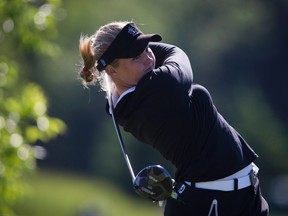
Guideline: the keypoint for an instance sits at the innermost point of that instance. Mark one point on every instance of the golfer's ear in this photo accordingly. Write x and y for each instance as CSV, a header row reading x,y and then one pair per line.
x,y
110,70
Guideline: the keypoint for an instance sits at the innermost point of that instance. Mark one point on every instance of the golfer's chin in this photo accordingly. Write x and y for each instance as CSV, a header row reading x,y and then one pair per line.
x,y
149,69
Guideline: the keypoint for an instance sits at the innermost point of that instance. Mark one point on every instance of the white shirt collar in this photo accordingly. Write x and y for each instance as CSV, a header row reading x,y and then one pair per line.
x,y
116,99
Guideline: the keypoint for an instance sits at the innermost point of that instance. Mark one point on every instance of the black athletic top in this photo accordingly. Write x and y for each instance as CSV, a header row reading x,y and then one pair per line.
x,y
178,118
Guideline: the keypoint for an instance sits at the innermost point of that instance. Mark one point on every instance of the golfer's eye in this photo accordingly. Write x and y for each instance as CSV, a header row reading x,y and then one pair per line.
x,y
145,51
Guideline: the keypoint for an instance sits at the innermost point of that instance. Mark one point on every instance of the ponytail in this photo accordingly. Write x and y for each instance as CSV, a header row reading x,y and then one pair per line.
x,y
92,48
88,72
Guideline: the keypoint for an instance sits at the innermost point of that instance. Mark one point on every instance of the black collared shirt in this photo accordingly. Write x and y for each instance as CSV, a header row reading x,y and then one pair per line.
x,y
178,118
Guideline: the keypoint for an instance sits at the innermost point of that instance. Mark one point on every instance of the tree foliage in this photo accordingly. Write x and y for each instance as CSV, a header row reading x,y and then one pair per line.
x,y
27,26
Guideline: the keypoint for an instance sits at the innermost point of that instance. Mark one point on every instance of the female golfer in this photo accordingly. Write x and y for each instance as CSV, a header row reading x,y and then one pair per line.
x,y
154,98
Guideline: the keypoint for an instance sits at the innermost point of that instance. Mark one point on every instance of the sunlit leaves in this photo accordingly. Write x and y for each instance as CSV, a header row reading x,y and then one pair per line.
x,y
25,27
8,25
23,121
7,79
31,26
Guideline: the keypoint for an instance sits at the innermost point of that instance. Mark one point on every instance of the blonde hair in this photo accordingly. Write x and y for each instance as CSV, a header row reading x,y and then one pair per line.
x,y
92,48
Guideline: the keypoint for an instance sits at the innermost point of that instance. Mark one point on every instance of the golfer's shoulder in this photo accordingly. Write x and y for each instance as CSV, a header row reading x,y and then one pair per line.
x,y
201,94
201,90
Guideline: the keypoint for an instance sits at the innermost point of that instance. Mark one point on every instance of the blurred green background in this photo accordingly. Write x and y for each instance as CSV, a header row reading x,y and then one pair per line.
x,y
59,154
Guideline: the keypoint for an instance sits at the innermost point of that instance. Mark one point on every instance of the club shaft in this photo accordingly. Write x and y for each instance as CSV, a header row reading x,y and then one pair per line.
x,y
123,148
109,94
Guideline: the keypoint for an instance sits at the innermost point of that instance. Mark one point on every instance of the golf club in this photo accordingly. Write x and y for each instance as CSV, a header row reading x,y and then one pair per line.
x,y
163,183
109,95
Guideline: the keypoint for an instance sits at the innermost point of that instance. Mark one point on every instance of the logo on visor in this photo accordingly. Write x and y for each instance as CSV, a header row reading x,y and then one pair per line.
x,y
133,31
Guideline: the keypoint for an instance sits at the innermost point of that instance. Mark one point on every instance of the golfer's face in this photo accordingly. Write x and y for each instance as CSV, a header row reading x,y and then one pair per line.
x,y
131,70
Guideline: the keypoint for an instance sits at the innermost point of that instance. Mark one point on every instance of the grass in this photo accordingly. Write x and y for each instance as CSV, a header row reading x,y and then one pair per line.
x,y
61,194
54,193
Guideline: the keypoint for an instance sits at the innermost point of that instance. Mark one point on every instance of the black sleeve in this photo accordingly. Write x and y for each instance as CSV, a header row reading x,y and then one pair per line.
x,y
158,110
173,60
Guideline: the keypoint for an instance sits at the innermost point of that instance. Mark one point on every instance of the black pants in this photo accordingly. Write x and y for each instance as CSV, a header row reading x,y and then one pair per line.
x,y
198,202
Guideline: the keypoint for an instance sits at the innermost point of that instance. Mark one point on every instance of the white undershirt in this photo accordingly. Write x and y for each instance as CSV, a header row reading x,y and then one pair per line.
x,y
116,98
